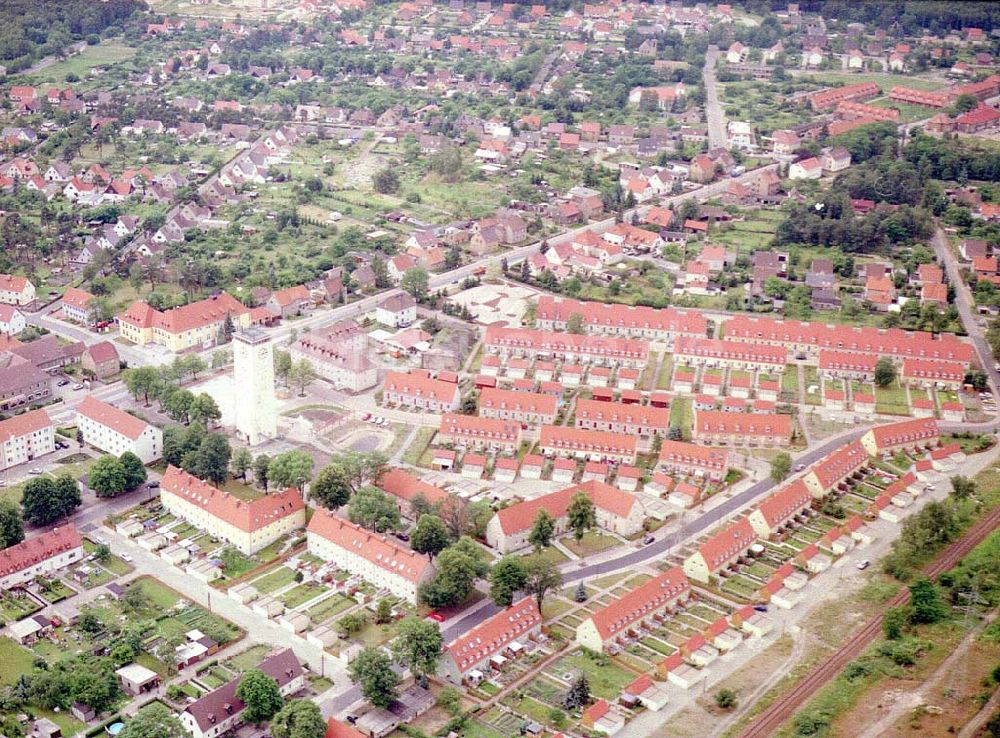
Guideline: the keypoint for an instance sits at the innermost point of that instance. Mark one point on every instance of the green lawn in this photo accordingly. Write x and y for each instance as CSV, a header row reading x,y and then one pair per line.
x,y
302,593
248,659
80,65
274,580
416,449
682,415
591,543
606,679
159,594
329,607
666,368
885,81
14,661
242,490
892,400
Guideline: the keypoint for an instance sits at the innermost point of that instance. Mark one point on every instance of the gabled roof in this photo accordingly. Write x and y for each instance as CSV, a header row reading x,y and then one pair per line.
x,y
786,502
112,417
639,603
404,485
521,516
23,424
41,548
377,549
494,634
247,516
728,543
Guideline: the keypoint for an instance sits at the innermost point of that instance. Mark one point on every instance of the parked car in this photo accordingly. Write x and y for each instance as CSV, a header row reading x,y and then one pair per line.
x,y
864,564
78,386
435,616
62,383
648,539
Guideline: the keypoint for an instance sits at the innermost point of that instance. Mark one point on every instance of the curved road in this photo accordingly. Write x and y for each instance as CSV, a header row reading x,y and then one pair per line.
x,y
572,572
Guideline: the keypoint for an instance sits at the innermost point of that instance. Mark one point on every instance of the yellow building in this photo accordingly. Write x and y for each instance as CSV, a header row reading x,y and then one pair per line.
x,y
197,325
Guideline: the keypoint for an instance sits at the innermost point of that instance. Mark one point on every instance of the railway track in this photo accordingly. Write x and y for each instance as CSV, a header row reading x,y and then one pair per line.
x,y
768,722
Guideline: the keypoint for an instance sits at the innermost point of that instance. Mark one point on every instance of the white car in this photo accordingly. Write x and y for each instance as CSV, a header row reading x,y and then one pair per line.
x,y
78,386
126,557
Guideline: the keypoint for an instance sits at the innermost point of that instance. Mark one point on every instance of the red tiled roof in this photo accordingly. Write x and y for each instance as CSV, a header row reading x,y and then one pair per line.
x,y
690,454
494,634
377,549
41,548
555,342
835,466
112,417
247,516
847,361
786,502
473,427
557,437
420,385
400,483
615,412
77,298
879,341
750,425
949,371
622,316
711,348
520,402
23,424
905,432
521,516
337,729
727,544
185,318
641,602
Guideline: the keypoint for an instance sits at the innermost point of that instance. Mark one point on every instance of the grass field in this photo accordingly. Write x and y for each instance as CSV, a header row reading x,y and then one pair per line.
x,y
14,661
681,415
892,400
80,65
274,580
591,543
885,81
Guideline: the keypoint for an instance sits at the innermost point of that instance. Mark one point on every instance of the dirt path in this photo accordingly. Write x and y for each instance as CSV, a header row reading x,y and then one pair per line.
x,y
904,702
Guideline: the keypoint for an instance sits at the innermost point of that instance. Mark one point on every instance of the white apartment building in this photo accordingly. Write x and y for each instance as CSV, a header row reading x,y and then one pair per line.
x,y
374,557
248,525
114,431
40,556
26,437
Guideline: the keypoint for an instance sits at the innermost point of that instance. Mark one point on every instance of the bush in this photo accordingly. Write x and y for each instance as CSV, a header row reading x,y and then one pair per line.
x,y
725,699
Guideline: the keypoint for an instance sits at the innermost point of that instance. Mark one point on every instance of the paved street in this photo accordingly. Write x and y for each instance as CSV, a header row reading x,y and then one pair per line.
x,y
713,108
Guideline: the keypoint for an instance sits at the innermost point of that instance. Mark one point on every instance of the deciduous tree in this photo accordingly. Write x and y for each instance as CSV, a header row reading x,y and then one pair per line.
x,y
507,577
372,672
261,695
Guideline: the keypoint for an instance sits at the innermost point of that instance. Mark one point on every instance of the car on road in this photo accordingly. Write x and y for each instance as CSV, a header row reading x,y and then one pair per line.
x,y
864,564
153,483
126,558
62,383
760,608
799,467
78,386
648,539
36,471
366,417
435,616
402,536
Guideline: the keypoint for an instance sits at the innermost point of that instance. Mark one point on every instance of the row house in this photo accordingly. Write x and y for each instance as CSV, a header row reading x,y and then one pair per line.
x,y
479,649
572,348
711,352
810,338
529,408
21,382
248,526
40,556
381,561
417,389
643,421
680,458
616,511
826,99
593,445
847,365
647,323
489,434
834,468
779,508
719,551
728,428
906,434
646,606
920,97
926,373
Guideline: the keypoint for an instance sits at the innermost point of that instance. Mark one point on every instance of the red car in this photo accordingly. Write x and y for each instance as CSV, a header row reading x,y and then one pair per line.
x,y
435,616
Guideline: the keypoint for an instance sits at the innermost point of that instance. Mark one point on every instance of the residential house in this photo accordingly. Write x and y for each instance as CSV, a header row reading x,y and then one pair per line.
x,y
115,431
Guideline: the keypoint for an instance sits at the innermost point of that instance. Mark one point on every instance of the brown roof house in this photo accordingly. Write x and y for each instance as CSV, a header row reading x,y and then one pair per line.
x,y
101,360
